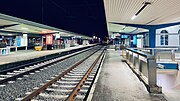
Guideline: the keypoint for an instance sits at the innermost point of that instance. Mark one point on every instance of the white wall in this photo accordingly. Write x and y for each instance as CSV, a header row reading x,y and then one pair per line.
x,y
127,41
172,29
140,41
173,36
158,43
173,40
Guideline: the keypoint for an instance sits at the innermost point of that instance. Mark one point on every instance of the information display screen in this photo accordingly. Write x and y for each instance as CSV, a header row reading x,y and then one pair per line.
x,y
124,36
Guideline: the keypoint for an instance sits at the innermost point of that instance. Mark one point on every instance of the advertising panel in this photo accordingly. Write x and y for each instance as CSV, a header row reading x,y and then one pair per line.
x,y
49,39
18,41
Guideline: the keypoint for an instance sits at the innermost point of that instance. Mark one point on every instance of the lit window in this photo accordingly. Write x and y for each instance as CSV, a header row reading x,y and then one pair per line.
x,y
164,38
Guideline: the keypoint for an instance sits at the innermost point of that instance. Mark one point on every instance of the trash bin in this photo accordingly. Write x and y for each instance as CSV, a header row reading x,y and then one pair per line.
x,y
50,47
38,48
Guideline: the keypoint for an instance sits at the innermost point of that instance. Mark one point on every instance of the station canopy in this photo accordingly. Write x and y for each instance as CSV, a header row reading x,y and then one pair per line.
x,y
147,12
92,17
85,17
13,25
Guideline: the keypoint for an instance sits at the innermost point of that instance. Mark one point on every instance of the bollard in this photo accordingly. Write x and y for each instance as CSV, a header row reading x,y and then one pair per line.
x,y
152,76
173,55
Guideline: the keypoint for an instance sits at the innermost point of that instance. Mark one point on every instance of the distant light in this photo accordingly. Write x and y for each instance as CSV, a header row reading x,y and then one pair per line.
x,y
24,28
133,17
44,31
9,34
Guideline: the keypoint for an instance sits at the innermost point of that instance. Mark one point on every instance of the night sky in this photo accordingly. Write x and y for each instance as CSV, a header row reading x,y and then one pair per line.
x,y
81,16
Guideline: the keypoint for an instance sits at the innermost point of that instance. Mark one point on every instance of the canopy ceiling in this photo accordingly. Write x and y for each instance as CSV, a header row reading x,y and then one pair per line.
x,y
158,12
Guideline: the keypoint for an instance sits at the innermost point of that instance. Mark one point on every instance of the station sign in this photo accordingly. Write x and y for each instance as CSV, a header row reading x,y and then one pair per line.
x,y
18,41
49,39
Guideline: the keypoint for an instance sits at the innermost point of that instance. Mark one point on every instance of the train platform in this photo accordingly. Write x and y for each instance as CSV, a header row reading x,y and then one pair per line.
x,y
22,55
170,83
117,82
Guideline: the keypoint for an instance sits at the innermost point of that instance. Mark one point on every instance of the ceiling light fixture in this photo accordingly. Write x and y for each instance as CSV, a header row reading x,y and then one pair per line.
x,y
24,28
134,16
123,27
140,10
9,34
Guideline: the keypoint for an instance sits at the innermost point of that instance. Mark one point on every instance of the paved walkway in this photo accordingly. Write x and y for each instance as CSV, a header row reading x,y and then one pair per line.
x,y
118,83
31,54
170,82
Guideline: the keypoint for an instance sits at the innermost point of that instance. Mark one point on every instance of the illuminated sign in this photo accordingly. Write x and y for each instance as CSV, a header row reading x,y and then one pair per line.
x,y
18,41
49,39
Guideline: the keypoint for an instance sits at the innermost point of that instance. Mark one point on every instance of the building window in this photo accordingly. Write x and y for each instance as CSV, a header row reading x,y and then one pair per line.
x,y
164,38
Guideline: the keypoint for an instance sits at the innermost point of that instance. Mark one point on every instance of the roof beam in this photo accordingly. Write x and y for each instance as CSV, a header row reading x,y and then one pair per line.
x,y
5,26
148,26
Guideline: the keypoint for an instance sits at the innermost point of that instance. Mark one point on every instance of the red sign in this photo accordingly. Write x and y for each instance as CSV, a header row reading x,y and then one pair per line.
x,y
49,39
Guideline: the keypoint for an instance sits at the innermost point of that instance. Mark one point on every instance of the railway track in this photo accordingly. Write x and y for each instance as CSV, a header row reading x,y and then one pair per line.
x,y
20,72
72,84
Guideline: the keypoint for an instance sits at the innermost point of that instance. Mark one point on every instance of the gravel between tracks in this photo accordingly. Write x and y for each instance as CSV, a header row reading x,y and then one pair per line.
x,y
18,89
82,67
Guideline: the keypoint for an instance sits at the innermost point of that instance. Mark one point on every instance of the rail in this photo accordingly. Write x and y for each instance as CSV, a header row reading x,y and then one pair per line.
x,y
72,95
160,53
38,67
144,66
79,85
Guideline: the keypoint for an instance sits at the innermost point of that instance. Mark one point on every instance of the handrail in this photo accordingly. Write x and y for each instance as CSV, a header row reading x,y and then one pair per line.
x,y
144,68
140,53
157,48
154,51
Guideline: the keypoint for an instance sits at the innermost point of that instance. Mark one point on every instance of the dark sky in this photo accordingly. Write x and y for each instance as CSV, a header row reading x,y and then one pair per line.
x,y
81,16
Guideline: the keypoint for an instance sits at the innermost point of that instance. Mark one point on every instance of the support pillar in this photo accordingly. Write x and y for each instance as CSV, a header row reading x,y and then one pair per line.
x,y
131,41
152,38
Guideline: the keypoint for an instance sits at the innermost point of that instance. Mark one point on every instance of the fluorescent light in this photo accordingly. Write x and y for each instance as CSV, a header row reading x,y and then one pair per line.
x,y
9,34
24,28
141,9
133,17
44,31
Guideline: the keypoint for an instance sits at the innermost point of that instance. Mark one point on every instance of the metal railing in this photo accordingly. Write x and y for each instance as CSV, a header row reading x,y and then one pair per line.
x,y
160,53
144,66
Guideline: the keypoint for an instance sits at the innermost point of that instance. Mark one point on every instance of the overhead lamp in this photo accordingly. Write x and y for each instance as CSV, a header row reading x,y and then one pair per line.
x,y
24,28
124,27
140,10
134,16
44,31
94,37
9,34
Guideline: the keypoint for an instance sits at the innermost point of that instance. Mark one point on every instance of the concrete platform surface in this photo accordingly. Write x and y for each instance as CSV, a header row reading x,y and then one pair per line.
x,y
118,83
31,54
170,82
